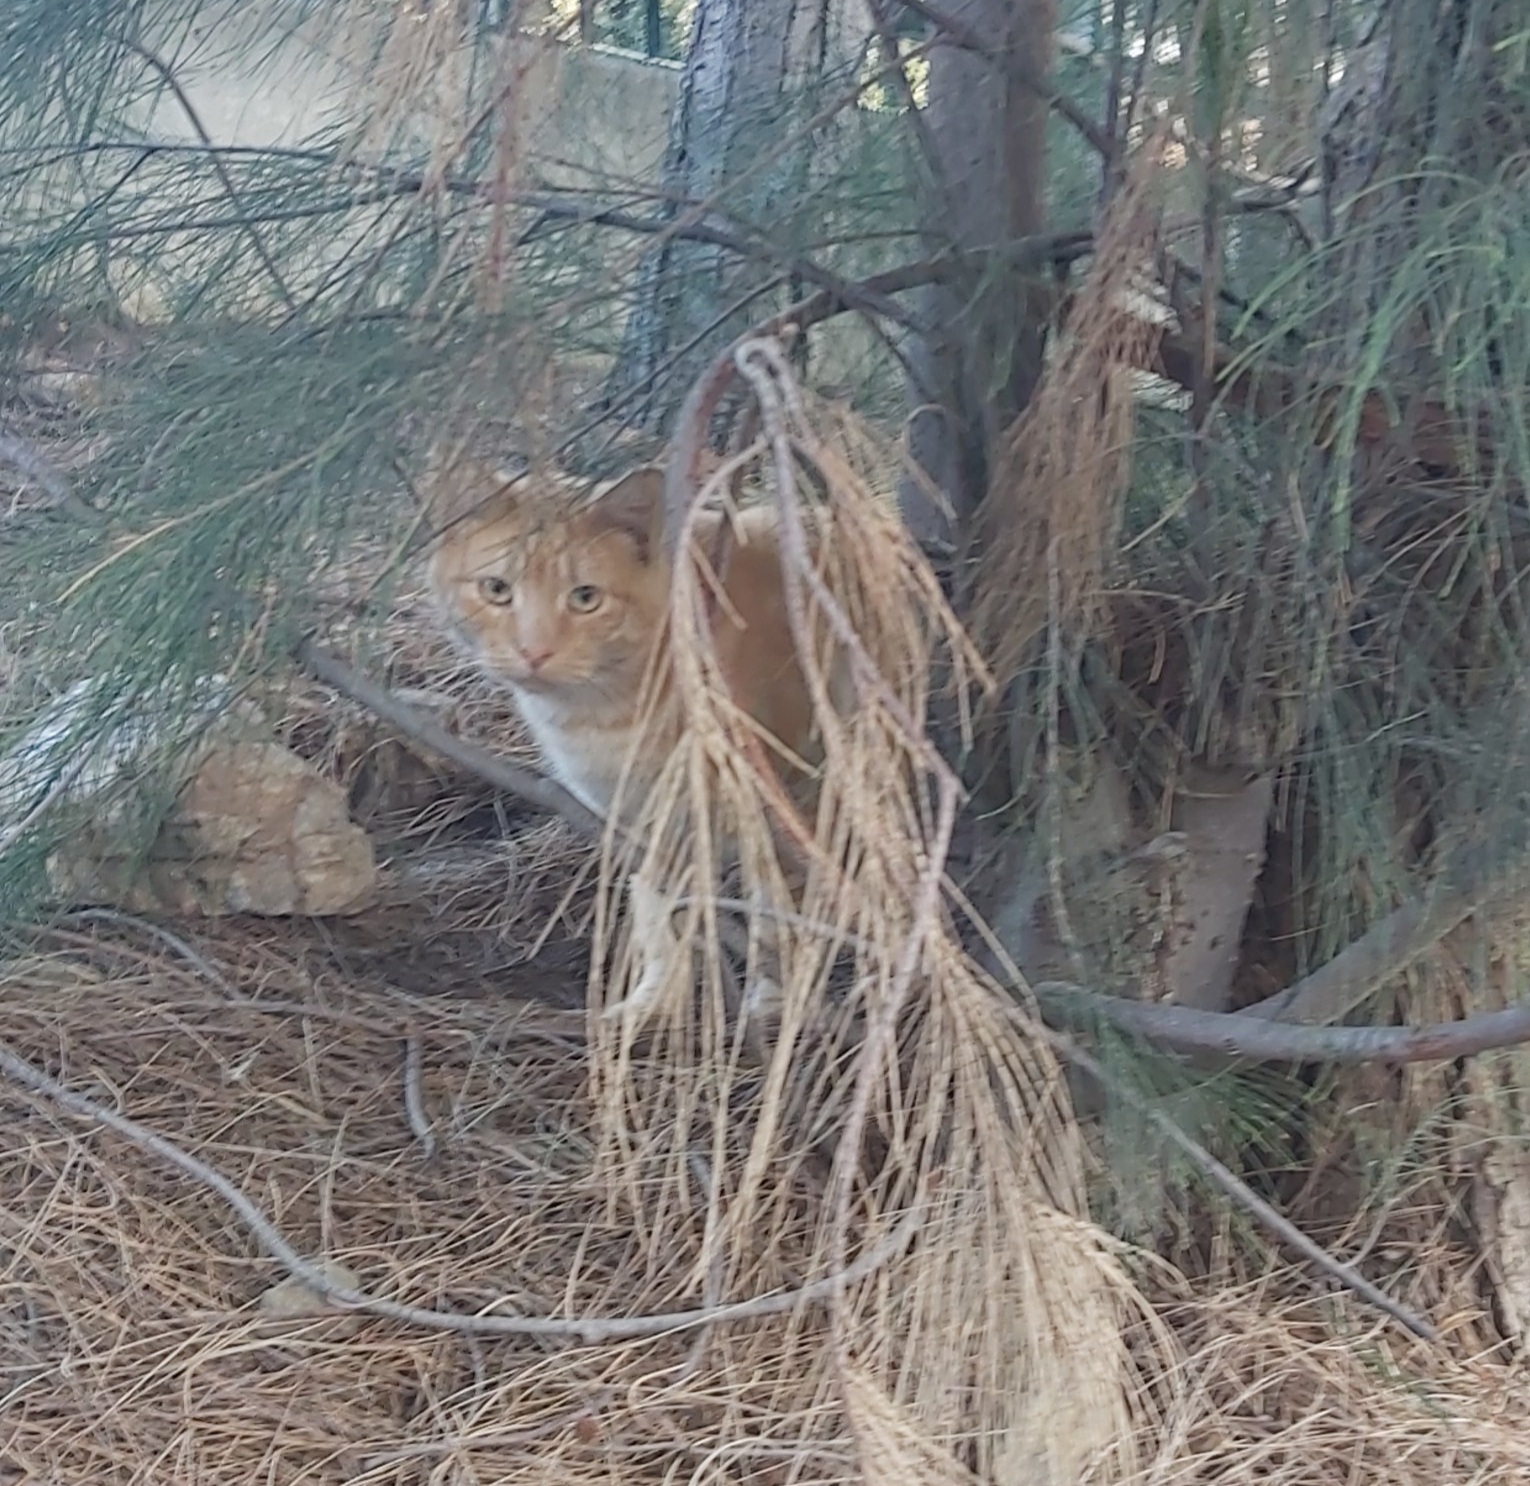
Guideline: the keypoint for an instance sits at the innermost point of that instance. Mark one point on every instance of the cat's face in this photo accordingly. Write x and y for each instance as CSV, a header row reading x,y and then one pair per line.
x,y
556,601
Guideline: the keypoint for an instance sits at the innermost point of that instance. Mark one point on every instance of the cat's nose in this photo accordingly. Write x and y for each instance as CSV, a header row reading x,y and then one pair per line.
x,y
535,659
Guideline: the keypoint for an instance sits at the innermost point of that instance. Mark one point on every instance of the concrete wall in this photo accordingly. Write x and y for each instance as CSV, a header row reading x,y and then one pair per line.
x,y
588,116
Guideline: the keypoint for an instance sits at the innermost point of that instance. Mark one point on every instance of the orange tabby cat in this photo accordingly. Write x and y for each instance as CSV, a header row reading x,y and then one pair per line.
x,y
567,605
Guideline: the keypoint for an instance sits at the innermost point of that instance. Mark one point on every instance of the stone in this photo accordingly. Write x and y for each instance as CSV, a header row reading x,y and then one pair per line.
x,y
255,829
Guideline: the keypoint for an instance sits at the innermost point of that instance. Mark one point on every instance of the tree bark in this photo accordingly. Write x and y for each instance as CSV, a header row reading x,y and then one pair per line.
x,y
728,124
975,368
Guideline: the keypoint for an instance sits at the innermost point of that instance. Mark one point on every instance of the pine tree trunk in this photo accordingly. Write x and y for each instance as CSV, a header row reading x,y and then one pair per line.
x,y
986,132
728,123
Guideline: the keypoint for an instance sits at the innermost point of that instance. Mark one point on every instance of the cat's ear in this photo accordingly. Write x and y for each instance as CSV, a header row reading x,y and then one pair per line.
x,y
635,504
454,486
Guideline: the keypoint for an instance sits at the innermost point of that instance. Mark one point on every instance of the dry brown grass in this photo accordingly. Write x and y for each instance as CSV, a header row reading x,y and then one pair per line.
x,y
132,1347
653,1161
1048,534
888,1076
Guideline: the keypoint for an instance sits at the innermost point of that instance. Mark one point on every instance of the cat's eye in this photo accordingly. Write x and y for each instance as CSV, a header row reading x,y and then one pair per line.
x,y
496,590
585,599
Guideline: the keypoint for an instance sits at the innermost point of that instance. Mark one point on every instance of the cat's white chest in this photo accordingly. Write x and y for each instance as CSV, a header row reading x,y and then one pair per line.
x,y
587,762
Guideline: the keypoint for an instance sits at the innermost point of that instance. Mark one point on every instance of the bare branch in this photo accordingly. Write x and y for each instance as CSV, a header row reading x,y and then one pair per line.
x,y
685,469
731,239
1268,391
1239,1036
590,1331
1293,1025
414,1097
1387,949
197,961
168,77
1238,1191
1254,1033
696,222
536,789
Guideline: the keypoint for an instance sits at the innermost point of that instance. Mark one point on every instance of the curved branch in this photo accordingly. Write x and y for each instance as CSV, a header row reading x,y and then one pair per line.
x,y
1269,390
1239,1036
1386,949
1293,1025
591,1331
167,75
856,294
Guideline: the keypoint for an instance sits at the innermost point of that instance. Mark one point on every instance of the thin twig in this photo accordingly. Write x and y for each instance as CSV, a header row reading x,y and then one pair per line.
x,y
414,1098
651,380
589,1331
730,240
1234,1188
698,223
167,75
684,470
193,957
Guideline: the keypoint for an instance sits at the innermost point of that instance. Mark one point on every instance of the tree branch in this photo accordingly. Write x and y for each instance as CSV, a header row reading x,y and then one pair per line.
x,y
1292,1024
1244,1038
713,231
1238,1191
855,294
589,1331
536,789
168,77
1386,949
1435,437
